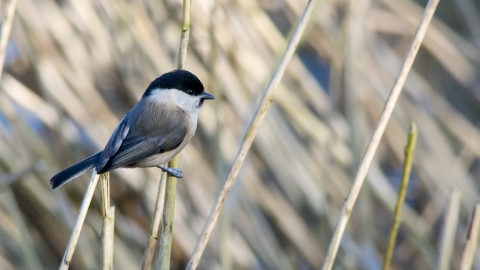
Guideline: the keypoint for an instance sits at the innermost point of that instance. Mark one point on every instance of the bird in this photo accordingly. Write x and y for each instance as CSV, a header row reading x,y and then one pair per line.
x,y
158,127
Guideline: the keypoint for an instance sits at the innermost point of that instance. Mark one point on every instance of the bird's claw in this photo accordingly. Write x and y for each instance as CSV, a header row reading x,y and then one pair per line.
x,y
172,171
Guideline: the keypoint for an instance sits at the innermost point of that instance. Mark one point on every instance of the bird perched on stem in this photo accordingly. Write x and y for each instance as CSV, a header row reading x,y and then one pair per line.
x,y
152,132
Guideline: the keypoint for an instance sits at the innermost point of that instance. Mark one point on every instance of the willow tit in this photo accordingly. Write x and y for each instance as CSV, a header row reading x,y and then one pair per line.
x,y
153,132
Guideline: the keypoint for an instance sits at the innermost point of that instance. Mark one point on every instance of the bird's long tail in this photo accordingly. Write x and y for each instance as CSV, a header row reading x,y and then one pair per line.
x,y
73,172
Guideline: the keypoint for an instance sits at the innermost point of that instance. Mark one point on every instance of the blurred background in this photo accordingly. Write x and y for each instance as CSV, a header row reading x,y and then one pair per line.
x,y
74,68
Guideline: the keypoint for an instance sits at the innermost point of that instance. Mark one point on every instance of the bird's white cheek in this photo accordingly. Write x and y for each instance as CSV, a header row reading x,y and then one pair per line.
x,y
190,104
186,102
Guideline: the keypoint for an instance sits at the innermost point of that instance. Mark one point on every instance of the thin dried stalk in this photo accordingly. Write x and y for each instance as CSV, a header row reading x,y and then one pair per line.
x,y
108,224
167,224
6,29
472,240
108,235
171,186
407,168
72,243
157,217
182,51
449,230
377,134
250,135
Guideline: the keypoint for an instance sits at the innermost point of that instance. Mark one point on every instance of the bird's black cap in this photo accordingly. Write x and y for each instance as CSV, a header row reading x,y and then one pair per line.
x,y
177,79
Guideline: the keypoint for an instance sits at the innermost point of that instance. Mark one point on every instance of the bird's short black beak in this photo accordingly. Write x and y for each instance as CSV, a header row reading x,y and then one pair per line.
x,y
206,95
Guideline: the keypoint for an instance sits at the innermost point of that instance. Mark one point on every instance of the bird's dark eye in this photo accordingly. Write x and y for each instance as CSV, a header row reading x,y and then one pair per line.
x,y
190,92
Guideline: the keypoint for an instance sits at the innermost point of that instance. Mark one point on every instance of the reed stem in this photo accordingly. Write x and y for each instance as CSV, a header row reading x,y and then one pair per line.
x,y
108,223
397,214
171,186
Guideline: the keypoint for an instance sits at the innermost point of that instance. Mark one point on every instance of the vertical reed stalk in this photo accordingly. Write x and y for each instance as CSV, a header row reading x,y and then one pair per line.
x,y
250,134
397,214
171,185
108,224
377,135
167,224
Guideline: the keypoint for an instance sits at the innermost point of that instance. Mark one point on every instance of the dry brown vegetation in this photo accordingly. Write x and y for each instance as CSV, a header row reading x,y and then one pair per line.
x,y
74,68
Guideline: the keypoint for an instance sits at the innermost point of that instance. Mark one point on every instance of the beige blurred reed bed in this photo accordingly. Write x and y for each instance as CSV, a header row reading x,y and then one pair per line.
x,y
82,64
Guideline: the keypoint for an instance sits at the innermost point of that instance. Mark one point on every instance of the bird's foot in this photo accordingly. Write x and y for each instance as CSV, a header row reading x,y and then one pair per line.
x,y
172,171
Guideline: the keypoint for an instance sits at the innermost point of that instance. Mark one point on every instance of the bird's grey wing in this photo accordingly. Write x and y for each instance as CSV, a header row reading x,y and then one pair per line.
x,y
162,136
114,143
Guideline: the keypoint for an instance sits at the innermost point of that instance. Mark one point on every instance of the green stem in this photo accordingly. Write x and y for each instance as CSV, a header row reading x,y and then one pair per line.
x,y
407,168
167,224
171,186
